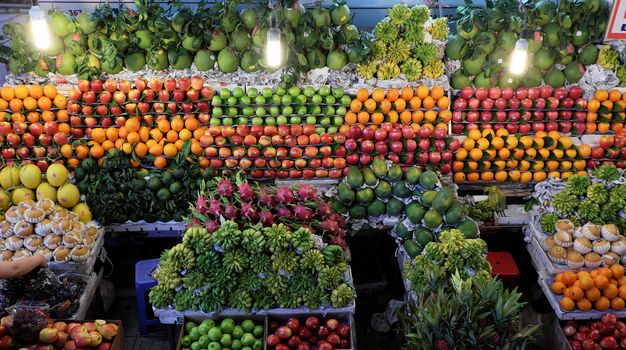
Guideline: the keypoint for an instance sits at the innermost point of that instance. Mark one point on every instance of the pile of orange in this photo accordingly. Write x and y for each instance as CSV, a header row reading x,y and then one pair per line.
x,y
497,156
406,106
606,112
32,98
601,289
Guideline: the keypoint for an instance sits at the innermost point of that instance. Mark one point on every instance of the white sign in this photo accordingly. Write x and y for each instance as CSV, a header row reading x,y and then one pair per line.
x,y
617,24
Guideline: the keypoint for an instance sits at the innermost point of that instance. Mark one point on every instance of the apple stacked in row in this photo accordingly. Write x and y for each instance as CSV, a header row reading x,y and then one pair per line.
x,y
611,149
306,334
33,123
525,111
323,107
401,144
104,101
498,156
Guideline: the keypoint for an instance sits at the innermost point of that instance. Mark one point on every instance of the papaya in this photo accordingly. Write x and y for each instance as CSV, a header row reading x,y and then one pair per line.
x,y
428,180
383,190
454,214
369,177
395,207
432,219
412,249
402,231
400,190
422,236
357,212
379,167
365,195
415,212
468,227
427,198
412,175
346,194
354,178
376,208
395,173
443,200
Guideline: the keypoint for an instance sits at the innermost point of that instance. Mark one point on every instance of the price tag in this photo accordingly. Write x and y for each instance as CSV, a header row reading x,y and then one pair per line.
x,y
74,13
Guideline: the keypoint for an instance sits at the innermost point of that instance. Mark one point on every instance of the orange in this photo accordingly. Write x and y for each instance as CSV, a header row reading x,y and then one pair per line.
x,y
486,176
540,176
170,150
35,91
593,105
474,134
558,277
586,282
7,93
446,115
132,125
459,177
415,103
428,102
112,133
468,144
602,304
171,136
617,304
473,177
30,103
385,105
584,304
356,105
576,293
405,117
363,117
461,154
567,304
392,94
457,165
156,150
350,118
511,142
392,117
191,123
407,93
378,95
96,151
50,91
156,135
144,133
615,95
443,102
617,270
133,137
160,162
66,151
163,125
476,154
501,176
370,105
622,291
140,149
437,92
196,148
399,105
482,143
593,294
184,135
422,91
606,272
16,105
584,150
98,135
3,105
611,291
107,145
362,94
378,118
60,101
21,91
601,282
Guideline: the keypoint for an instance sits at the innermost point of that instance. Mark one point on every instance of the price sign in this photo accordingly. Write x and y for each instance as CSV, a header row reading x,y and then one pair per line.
x,y
617,24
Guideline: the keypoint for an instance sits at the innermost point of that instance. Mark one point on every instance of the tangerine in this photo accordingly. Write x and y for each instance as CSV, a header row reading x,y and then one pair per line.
x,y
584,304
593,294
567,304
50,91
602,304
35,91
617,304
378,95
362,94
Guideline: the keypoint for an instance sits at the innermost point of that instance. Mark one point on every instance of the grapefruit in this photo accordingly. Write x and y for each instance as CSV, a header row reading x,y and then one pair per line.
x,y
46,190
56,175
21,194
30,176
9,177
68,195
84,214
5,200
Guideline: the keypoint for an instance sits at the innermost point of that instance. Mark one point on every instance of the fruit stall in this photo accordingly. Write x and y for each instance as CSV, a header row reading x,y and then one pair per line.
x,y
277,174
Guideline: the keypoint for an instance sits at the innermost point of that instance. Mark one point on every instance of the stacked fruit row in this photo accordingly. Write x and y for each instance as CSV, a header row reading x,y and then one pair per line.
x,y
606,112
33,124
522,110
611,149
487,156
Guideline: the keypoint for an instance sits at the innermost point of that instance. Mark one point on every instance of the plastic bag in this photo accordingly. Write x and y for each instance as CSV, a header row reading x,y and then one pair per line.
x,y
27,319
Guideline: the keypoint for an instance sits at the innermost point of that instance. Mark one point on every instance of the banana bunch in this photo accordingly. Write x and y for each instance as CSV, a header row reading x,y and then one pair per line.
x,y
235,260
168,276
250,281
610,212
182,257
185,299
366,70
252,241
222,281
577,184
198,238
565,202
434,70
456,253
342,295
618,195
227,236
329,277
312,260
240,300
414,33
589,211
426,53
275,283
412,69
301,282
285,261
333,254
598,193
209,261
608,173
194,280
439,29
277,238
302,240
398,51
161,296
548,222
260,263
212,300
399,14
289,300
608,58
621,74
314,298
385,32
388,70
263,301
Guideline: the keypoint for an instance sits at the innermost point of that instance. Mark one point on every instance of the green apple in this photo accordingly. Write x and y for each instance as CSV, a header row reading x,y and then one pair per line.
x,y
238,332
310,120
320,130
317,99
276,99
216,100
286,100
214,121
260,100
248,111
257,121
337,121
242,121
247,326
294,91
238,92
295,120
287,110
300,99
280,91
274,110
315,109
341,110
332,130
345,100
245,100
232,111
325,121
226,340
281,120
224,93
328,110
330,99
215,334
267,92
270,121
252,92
258,331
301,110
227,121
260,112
218,111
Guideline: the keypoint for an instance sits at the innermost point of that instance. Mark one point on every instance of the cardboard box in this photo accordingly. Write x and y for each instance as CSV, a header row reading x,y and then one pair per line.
x,y
341,317
258,319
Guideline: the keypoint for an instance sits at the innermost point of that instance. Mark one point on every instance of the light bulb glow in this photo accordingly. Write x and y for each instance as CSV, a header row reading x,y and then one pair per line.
x,y
517,65
273,49
39,28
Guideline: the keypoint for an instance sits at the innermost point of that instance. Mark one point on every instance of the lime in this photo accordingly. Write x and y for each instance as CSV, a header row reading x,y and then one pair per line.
x,y
194,335
247,326
258,345
196,346
215,334
337,92
248,339
236,345
226,340
227,326
324,90
253,92
203,329
204,341
155,184
164,194
176,187
214,346
167,178
238,332
258,331
308,91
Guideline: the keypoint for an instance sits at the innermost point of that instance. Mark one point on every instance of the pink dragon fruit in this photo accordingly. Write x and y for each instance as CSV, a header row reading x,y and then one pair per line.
x,y
338,218
265,198
212,226
324,209
201,202
330,226
194,222
246,191
338,241
248,212
303,213
284,195
230,212
284,213
306,192
267,218
225,188
215,208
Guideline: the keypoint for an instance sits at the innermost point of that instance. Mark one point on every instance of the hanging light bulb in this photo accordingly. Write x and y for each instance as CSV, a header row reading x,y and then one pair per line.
x,y
39,27
273,47
517,65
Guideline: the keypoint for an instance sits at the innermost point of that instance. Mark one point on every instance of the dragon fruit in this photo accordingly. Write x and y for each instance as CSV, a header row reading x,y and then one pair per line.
x,y
225,188
338,241
248,212
212,226
246,191
265,198
201,203
284,213
303,213
306,192
230,212
330,226
284,195
338,218
215,208
324,209
267,218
